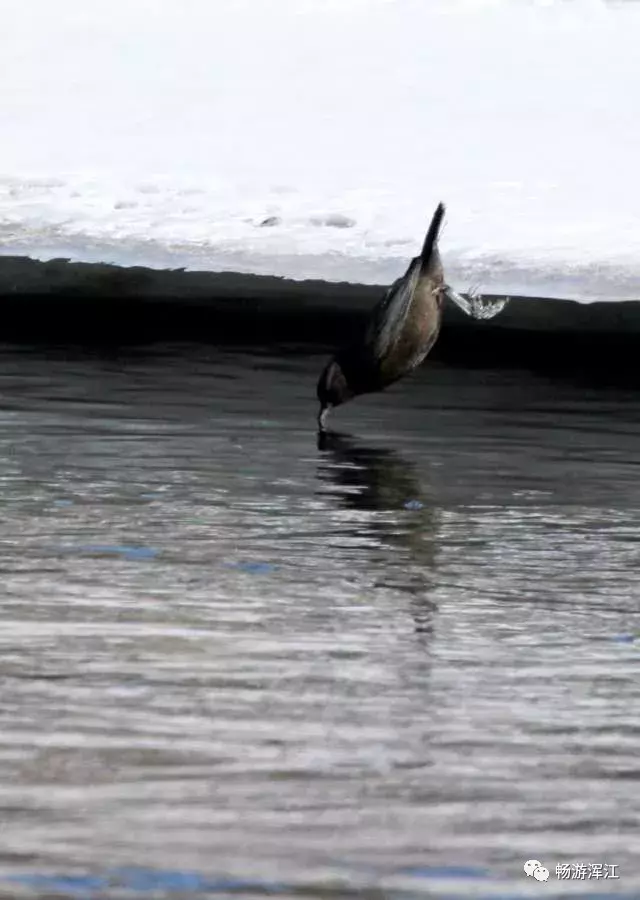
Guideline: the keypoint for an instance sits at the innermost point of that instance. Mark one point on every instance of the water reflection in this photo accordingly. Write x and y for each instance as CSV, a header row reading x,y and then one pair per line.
x,y
209,645
393,508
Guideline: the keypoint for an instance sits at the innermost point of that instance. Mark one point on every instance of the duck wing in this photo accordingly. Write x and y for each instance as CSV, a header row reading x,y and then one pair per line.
x,y
389,316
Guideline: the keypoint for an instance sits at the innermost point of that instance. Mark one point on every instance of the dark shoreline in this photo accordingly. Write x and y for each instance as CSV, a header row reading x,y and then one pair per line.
x,y
63,303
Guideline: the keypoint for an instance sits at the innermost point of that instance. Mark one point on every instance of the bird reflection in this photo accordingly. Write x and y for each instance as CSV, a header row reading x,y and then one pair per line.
x,y
402,522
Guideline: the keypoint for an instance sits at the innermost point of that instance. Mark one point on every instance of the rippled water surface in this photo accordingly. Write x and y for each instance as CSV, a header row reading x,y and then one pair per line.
x,y
235,663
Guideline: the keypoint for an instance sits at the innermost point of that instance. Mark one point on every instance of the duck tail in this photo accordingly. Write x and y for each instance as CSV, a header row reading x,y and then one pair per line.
x,y
431,239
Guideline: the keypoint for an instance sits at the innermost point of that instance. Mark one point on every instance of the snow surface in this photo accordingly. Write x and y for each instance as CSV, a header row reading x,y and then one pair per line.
x,y
312,138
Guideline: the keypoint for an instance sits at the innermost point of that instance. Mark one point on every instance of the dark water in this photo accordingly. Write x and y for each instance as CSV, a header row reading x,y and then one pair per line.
x,y
234,663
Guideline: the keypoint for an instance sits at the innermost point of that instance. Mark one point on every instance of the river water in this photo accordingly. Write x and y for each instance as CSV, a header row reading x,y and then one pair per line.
x,y
237,663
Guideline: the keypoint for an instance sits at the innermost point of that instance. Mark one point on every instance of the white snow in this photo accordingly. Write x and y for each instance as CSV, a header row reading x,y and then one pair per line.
x,y
164,134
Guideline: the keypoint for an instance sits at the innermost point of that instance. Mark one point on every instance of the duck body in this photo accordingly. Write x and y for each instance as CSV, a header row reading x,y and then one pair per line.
x,y
402,329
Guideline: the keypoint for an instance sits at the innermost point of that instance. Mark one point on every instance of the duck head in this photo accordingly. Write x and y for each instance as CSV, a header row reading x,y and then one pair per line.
x,y
333,390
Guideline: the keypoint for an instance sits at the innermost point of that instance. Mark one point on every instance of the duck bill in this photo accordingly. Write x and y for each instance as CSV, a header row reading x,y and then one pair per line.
x,y
323,415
